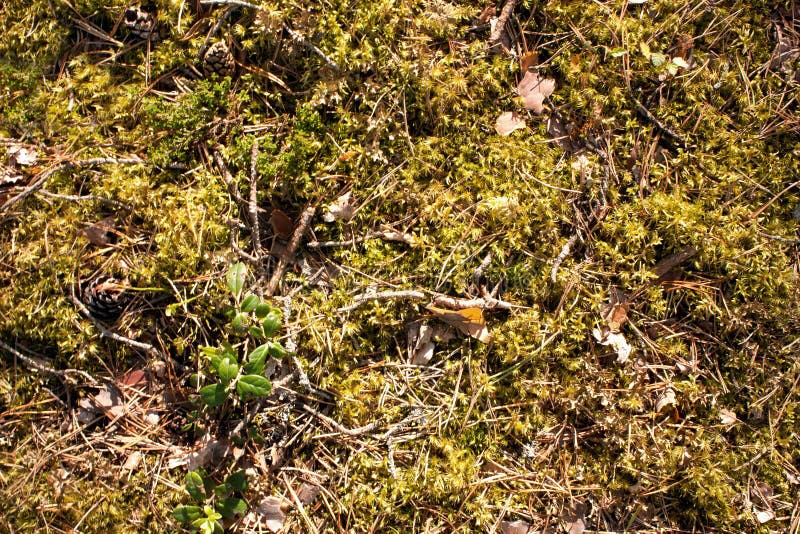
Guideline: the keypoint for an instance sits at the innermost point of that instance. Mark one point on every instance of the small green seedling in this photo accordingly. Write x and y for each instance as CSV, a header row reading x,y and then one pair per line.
x,y
213,502
243,376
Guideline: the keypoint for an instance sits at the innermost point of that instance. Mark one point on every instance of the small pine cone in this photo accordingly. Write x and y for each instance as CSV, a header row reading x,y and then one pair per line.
x,y
105,298
141,22
218,59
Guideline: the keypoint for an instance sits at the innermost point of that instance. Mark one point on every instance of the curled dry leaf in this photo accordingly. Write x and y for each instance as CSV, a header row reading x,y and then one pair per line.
x,y
727,417
534,90
343,208
282,224
516,527
762,516
509,122
615,313
20,155
575,520
271,510
468,321
616,340
667,398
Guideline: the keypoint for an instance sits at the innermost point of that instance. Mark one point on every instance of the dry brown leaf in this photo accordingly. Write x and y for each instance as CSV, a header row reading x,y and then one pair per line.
x,y
110,400
282,224
667,398
727,417
307,493
509,122
468,321
575,520
529,59
21,155
133,461
211,451
516,527
534,90
616,340
271,509
100,233
343,208
615,313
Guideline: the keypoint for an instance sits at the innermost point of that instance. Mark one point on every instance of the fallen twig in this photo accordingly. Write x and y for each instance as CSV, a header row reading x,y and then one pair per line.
x,y
85,198
666,130
387,235
500,26
108,333
37,364
565,250
288,254
338,427
41,178
255,234
486,302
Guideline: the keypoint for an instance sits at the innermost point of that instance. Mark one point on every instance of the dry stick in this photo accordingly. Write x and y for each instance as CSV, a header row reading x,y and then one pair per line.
x,y
36,364
666,130
760,210
43,176
293,34
338,427
288,254
112,335
81,198
386,235
440,299
565,250
255,233
500,26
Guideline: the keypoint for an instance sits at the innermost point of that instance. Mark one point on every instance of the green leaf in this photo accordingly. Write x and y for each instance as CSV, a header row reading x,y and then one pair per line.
x,y
222,490
253,386
263,309
276,350
271,324
250,302
657,59
193,483
213,394
256,332
227,370
672,68
618,52
236,278
231,506
239,322
256,364
185,514
237,480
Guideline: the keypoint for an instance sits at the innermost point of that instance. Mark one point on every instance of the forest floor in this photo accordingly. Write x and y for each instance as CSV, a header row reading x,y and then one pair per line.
x,y
417,266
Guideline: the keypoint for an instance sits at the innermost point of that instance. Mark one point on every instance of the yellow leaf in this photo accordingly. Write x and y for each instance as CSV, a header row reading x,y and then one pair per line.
x,y
468,321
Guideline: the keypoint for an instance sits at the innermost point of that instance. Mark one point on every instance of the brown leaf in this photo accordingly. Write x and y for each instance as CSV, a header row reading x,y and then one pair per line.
x,y
727,417
133,379
668,263
468,321
575,520
667,398
271,509
534,90
509,122
282,224
516,527
615,313
529,59
307,493
110,400
100,233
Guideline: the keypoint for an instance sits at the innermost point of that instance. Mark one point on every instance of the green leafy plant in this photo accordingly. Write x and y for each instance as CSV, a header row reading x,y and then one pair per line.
x,y
243,376
213,501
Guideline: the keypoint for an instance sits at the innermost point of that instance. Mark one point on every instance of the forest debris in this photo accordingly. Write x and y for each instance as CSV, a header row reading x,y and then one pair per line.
x,y
534,90
21,155
468,321
575,519
282,224
516,527
422,341
667,398
271,510
727,417
499,39
211,451
101,233
288,255
508,122
343,208
615,313
616,340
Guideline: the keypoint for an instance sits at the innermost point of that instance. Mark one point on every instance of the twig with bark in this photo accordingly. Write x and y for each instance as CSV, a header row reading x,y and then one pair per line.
x,y
38,365
105,332
287,255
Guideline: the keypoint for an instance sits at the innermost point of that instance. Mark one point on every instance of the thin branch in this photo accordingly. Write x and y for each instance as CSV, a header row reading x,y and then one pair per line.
x,y
338,427
565,250
387,235
358,300
108,333
41,178
439,299
36,364
288,254
255,233
499,28
85,198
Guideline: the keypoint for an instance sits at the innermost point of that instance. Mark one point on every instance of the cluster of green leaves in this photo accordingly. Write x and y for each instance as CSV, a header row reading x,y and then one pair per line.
x,y
243,376
212,501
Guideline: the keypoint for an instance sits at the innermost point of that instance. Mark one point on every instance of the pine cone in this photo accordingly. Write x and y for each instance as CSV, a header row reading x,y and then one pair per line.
x,y
218,59
105,298
141,22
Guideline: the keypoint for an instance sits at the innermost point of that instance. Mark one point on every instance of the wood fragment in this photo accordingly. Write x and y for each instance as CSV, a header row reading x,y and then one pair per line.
x,y
496,37
288,255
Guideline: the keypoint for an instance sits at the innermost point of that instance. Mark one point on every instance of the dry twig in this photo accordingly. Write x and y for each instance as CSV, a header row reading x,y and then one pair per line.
x,y
288,254
108,333
38,365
